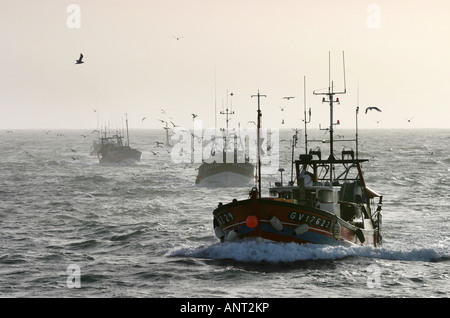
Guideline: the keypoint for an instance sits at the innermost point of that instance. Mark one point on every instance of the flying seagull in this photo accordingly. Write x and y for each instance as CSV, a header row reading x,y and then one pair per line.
x,y
288,97
177,37
375,108
409,119
79,61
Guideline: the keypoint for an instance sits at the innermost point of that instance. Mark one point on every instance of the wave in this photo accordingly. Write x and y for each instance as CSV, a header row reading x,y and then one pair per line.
x,y
84,244
12,259
91,178
124,237
252,251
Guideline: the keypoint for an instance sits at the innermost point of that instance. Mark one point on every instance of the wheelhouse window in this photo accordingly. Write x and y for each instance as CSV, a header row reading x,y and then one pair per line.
x,y
286,195
325,196
273,193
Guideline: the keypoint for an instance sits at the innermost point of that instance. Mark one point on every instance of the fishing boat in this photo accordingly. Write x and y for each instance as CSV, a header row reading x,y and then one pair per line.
x,y
329,203
112,149
232,169
229,164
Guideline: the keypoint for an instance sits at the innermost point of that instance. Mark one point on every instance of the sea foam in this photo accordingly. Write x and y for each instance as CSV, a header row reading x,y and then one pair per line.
x,y
252,251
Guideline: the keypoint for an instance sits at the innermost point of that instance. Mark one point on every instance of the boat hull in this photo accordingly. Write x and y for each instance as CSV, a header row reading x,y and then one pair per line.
x,y
124,155
254,219
225,174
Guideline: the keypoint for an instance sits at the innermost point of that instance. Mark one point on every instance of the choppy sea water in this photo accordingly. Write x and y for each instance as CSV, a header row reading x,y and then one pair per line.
x,y
70,227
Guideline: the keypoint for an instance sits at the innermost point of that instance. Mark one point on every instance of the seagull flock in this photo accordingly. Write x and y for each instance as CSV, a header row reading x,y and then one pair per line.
x,y
166,122
80,61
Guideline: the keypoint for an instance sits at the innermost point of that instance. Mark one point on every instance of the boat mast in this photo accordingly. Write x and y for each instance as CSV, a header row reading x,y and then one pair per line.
x,y
128,136
294,144
228,112
215,104
331,100
167,134
304,110
258,141
357,111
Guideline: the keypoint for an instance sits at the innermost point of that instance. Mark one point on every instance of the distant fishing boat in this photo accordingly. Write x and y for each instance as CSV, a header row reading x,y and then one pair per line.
x,y
225,173
229,163
330,203
111,149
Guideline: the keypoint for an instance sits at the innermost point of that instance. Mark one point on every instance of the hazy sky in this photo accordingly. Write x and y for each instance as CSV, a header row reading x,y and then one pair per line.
x,y
397,50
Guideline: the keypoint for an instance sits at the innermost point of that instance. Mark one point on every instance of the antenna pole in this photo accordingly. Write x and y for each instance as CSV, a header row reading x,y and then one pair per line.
x,y
357,111
329,70
215,103
343,63
304,110
258,141
331,121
